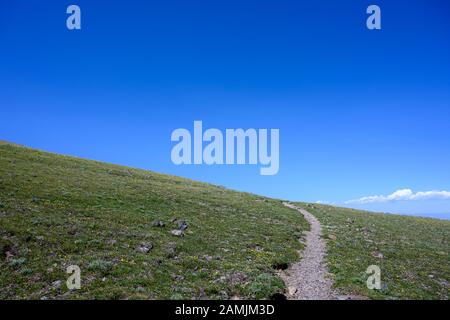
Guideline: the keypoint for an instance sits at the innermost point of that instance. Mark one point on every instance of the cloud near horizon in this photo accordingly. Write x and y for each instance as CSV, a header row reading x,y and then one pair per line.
x,y
403,195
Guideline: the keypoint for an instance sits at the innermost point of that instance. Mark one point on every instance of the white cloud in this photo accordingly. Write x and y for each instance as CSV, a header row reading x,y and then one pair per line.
x,y
405,195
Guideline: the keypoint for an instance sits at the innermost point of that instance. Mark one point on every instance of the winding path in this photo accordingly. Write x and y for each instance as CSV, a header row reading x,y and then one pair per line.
x,y
309,279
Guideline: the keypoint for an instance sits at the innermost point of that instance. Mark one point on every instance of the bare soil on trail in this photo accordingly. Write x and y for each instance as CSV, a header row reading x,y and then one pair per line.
x,y
309,279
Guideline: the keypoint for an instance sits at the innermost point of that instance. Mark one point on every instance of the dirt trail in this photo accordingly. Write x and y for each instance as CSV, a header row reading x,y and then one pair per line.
x,y
309,279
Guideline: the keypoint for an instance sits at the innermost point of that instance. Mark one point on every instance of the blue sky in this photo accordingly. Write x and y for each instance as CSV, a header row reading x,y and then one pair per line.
x,y
360,112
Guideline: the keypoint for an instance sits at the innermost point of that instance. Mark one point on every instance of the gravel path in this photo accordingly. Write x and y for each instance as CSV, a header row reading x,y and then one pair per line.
x,y
309,278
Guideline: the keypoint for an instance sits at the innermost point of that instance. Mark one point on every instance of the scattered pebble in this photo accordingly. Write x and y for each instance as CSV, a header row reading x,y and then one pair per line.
x,y
378,255
182,225
177,233
56,284
158,224
292,291
145,247
111,242
237,278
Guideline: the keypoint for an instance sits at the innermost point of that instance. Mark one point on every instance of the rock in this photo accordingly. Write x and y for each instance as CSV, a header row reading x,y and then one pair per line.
x,y
237,278
177,277
259,249
292,291
9,255
208,258
158,224
140,289
378,255
111,242
177,233
182,225
57,284
145,247
223,295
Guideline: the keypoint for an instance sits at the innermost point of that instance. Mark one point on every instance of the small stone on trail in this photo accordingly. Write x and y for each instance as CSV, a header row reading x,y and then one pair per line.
x,y
292,291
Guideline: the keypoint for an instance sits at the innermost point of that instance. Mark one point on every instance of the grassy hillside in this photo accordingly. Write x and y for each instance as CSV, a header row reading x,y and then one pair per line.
x,y
413,253
115,223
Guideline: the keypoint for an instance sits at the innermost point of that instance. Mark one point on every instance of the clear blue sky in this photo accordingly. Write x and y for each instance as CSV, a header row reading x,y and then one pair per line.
x,y
360,112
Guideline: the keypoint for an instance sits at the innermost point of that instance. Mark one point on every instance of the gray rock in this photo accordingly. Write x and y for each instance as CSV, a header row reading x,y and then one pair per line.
x,y
182,225
237,278
145,247
378,255
57,284
177,233
158,224
111,242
